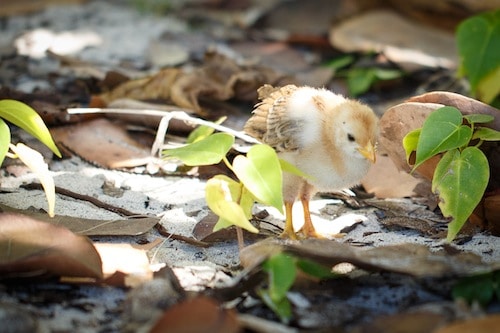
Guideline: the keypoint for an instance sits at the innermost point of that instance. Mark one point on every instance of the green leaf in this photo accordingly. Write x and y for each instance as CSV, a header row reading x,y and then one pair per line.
x,y
359,80
260,172
442,131
25,117
4,140
222,198
290,168
340,62
460,180
202,132
281,308
488,87
314,269
479,118
478,40
410,142
282,272
34,161
210,150
480,288
486,134
387,74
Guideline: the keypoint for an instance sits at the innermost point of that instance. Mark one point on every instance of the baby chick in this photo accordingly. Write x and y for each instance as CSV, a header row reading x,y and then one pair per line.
x,y
326,136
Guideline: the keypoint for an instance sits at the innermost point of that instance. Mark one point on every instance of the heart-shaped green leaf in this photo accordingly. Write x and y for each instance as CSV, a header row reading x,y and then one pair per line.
x,y
222,198
260,172
477,40
442,131
26,118
4,140
210,150
460,180
486,134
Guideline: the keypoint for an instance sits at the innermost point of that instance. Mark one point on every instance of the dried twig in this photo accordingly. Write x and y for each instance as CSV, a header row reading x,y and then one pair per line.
x,y
163,126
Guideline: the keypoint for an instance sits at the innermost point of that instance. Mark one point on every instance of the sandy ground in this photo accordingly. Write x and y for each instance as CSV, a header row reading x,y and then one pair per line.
x,y
125,34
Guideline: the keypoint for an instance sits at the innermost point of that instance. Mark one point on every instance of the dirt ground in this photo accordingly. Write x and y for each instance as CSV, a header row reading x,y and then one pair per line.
x,y
403,285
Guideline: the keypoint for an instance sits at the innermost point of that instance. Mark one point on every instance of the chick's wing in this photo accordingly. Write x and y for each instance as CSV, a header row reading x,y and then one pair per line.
x,y
270,122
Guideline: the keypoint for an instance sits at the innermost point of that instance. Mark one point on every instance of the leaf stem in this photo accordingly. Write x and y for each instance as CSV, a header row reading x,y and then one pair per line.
x,y
227,163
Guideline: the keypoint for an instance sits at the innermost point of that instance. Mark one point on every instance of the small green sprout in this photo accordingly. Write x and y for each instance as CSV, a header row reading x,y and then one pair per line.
x,y
462,174
26,118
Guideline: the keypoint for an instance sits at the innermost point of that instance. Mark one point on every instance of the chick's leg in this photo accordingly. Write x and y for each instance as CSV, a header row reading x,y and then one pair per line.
x,y
306,193
288,232
308,227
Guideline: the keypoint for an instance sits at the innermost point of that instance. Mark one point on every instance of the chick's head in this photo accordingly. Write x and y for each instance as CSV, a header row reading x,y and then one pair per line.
x,y
356,128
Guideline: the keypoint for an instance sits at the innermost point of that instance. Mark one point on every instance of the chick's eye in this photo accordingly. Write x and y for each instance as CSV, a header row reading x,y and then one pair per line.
x,y
350,137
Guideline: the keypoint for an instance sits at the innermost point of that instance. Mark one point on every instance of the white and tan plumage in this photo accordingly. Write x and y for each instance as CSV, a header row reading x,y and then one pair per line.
x,y
326,136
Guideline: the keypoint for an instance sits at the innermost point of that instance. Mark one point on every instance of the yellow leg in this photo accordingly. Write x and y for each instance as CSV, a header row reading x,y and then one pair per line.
x,y
288,232
308,228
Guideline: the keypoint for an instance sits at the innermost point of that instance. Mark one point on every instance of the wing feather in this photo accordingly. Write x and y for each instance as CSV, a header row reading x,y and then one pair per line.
x,y
270,122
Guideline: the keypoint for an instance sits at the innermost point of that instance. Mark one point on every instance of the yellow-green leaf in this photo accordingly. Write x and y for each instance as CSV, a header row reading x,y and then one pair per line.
x,y
486,134
220,200
260,172
203,131
34,161
210,150
489,86
290,168
4,140
26,118
410,142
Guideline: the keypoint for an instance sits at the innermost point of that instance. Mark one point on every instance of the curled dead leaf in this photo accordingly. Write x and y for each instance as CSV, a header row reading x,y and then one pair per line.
x,y
219,78
32,247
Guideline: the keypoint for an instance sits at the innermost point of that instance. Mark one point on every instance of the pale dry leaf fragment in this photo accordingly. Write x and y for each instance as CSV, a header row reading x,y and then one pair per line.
x,y
124,259
34,161
407,43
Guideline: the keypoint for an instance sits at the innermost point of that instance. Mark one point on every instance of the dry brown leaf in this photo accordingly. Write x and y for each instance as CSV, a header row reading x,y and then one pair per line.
x,y
218,79
154,87
103,143
92,227
417,322
200,314
33,247
488,324
409,44
465,104
411,259
387,181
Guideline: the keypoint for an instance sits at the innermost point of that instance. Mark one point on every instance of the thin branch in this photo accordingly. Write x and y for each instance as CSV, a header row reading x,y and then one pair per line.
x,y
180,115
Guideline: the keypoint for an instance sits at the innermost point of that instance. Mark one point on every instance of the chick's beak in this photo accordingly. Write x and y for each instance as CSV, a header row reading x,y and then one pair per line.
x,y
368,152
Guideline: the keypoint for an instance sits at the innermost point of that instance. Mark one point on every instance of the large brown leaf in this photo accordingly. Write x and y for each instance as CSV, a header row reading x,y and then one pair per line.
x,y
92,227
200,314
32,247
411,259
